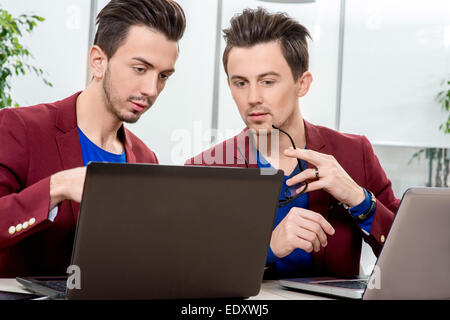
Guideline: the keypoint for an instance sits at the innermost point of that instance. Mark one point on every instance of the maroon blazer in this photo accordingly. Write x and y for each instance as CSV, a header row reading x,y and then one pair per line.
x,y
355,154
36,142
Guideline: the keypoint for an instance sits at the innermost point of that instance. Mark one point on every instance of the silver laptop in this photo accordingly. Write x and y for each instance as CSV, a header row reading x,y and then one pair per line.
x,y
415,260
170,232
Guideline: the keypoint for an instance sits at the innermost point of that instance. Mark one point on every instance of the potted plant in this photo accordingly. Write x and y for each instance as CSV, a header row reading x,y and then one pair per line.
x,y
13,55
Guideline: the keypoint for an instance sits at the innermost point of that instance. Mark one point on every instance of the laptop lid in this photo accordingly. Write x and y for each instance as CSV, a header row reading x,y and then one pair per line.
x,y
173,232
415,259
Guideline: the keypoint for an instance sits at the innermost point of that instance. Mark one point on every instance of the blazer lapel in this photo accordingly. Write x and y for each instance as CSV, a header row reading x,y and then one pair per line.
x,y
128,144
68,141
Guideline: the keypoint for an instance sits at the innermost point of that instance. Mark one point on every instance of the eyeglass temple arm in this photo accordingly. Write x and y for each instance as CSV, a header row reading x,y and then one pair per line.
x,y
292,141
243,156
293,146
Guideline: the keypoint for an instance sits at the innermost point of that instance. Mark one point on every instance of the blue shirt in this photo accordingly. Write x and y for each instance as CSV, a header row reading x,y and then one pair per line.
x,y
93,153
299,261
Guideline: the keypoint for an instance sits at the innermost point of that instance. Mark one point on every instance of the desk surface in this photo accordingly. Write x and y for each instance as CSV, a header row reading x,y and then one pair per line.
x,y
270,290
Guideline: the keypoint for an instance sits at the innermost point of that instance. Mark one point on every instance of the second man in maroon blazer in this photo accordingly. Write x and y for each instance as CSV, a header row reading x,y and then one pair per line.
x,y
340,194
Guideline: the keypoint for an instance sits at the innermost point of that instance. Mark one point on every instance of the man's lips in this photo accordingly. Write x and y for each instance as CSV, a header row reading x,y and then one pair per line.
x,y
258,116
138,106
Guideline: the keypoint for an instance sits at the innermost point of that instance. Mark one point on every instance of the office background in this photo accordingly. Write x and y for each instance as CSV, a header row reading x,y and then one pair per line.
x,y
377,67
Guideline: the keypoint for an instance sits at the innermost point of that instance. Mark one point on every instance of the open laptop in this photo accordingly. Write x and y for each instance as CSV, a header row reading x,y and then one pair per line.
x,y
415,260
170,232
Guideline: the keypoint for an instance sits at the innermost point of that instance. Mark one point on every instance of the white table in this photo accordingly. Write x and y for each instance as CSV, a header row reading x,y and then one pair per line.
x,y
270,290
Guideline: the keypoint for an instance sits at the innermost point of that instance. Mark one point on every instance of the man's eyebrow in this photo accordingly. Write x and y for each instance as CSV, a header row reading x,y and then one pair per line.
x,y
237,77
262,75
151,65
270,73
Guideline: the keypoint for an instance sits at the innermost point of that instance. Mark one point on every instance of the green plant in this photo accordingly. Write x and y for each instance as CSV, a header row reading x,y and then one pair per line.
x,y
441,157
443,98
13,55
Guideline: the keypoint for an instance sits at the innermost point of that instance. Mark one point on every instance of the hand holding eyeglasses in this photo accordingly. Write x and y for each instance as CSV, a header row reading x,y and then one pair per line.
x,y
328,175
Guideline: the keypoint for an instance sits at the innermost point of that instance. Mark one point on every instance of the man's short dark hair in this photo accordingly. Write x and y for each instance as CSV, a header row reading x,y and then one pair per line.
x,y
257,26
116,18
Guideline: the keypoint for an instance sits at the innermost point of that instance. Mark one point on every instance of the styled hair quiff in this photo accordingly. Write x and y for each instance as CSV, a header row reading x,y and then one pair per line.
x,y
257,26
116,18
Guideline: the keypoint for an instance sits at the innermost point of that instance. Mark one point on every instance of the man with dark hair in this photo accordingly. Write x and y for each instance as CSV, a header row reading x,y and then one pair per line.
x,y
44,149
334,191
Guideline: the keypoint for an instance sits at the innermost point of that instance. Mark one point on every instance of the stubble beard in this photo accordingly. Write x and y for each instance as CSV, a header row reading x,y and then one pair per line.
x,y
112,102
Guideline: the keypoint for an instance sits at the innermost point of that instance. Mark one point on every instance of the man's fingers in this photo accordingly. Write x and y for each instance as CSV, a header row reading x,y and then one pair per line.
x,y
312,186
314,228
313,216
307,174
310,237
311,156
303,244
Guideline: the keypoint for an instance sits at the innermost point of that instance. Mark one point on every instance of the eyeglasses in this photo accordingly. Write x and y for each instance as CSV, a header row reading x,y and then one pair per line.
x,y
290,193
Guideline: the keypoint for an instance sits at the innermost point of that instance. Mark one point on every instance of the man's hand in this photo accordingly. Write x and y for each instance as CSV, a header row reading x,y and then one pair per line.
x,y
67,185
332,177
300,229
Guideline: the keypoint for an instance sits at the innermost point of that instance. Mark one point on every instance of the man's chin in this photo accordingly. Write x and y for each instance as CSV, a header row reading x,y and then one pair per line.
x,y
129,118
130,121
260,129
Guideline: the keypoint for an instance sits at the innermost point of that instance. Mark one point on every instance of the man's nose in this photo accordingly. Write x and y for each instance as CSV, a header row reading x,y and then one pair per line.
x,y
150,86
254,95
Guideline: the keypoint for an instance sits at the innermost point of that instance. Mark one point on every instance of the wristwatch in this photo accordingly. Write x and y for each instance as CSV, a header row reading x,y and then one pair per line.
x,y
365,215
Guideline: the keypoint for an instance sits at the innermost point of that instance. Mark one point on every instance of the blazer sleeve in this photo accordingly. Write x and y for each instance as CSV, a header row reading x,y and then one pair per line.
x,y
20,205
387,204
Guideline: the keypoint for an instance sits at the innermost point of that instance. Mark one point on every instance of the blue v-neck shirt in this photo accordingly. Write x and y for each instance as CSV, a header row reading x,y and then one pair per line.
x,y
93,153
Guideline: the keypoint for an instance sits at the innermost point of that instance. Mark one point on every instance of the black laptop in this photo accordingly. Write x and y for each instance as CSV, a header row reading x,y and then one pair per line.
x,y
169,232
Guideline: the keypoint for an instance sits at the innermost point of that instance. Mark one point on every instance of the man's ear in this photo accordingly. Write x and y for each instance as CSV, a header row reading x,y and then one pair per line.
x,y
98,62
304,82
